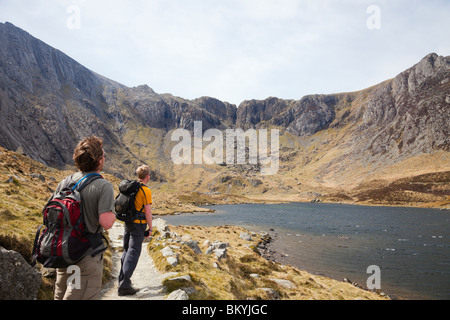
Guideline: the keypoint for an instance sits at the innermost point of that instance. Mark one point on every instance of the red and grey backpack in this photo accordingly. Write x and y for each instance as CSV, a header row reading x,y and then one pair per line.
x,y
63,240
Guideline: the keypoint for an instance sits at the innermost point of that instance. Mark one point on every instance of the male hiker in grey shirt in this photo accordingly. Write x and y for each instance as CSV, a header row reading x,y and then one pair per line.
x,y
98,211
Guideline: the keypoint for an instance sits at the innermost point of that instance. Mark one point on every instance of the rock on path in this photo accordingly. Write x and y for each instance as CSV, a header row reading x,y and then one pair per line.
x,y
146,277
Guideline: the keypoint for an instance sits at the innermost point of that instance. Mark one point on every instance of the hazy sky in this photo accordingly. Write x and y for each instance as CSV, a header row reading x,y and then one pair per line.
x,y
236,50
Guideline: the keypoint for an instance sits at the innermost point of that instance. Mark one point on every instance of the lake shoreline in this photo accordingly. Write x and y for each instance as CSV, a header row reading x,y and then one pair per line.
x,y
200,203
204,208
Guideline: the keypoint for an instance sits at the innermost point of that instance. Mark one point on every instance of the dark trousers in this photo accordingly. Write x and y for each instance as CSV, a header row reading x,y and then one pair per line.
x,y
132,246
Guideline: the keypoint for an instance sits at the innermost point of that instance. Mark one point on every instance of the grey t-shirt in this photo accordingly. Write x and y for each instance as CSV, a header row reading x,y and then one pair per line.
x,y
98,198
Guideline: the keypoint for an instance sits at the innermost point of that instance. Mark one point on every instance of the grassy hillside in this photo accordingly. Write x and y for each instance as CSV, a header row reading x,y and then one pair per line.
x,y
315,167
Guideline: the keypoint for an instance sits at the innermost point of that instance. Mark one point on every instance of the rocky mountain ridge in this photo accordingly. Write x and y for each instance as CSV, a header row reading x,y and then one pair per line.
x,y
48,102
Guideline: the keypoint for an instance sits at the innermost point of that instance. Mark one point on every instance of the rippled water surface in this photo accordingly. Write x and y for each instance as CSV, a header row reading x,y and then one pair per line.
x,y
410,245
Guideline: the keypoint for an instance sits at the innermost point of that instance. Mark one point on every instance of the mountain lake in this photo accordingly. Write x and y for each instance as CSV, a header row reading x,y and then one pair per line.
x,y
411,246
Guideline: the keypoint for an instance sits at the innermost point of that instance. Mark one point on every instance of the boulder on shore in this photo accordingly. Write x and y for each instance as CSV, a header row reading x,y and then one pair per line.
x,y
19,281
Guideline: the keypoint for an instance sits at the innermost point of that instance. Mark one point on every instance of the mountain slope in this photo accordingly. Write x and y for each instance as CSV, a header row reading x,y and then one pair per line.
x,y
336,144
48,102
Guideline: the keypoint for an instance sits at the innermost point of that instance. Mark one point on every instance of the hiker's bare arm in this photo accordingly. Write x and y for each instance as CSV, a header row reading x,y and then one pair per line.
x,y
148,215
107,220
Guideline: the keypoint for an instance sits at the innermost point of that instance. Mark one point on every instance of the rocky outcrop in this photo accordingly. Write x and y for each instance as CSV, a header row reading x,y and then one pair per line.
x,y
19,281
409,115
178,295
223,110
304,117
253,113
164,111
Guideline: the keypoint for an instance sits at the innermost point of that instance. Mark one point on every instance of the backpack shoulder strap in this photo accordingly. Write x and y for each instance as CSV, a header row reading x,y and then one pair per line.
x,y
80,185
141,187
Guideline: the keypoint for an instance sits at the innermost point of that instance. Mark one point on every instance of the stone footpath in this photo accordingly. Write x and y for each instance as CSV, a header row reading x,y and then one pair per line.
x,y
146,277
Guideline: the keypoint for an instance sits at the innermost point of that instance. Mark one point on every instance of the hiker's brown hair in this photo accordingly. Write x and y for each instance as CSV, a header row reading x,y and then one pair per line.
x,y
88,153
143,171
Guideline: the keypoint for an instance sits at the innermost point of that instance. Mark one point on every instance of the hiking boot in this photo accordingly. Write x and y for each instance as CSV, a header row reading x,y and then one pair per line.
x,y
127,292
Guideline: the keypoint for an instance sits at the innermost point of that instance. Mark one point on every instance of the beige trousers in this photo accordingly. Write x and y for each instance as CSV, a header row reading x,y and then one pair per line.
x,y
84,285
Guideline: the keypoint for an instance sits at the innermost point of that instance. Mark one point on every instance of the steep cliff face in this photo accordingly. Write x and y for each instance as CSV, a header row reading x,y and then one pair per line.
x,y
164,111
223,110
253,113
409,114
397,128
403,116
421,99
48,102
304,117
